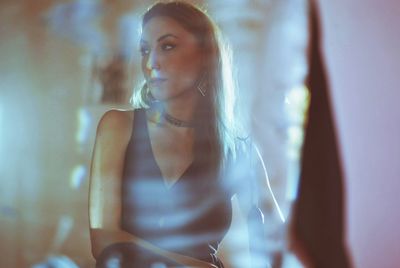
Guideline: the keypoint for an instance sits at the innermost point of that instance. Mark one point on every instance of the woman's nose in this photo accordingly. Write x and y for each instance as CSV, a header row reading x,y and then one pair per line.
x,y
153,61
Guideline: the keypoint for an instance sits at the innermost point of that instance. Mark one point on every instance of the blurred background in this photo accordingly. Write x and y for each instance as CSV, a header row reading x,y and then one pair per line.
x,y
361,44
64,63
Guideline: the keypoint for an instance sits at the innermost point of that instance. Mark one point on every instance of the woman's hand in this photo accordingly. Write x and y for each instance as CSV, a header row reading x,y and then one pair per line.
x,y
106,238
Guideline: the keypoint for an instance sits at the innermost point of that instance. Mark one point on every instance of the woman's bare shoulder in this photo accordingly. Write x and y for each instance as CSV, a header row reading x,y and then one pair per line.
x,y
117,123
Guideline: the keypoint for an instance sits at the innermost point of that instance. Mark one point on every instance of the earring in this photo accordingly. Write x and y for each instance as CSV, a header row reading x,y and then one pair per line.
x,y
202,84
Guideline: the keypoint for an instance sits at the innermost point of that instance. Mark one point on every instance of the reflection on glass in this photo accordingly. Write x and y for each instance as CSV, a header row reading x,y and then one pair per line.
x,y
65,64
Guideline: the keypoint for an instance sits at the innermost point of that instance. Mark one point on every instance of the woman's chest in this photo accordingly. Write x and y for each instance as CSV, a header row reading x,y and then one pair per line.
x,y
172,152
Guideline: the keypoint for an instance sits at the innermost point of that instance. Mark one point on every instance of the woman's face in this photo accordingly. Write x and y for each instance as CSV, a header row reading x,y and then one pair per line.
x,y
171,59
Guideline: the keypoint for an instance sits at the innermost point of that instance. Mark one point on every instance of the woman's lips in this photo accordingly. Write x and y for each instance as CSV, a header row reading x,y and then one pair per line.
x,y
156,81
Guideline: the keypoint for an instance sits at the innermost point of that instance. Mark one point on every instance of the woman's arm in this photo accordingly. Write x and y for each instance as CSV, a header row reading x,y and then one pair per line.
x,y
259,206
112,137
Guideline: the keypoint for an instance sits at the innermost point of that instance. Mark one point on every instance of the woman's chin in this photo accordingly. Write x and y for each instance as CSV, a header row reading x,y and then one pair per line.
x,y
158,94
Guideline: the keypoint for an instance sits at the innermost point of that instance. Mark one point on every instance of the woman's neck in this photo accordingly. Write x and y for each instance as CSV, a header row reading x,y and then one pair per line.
x,y
181,108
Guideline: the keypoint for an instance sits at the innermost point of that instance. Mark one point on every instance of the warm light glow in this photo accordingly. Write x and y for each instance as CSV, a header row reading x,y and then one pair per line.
x,y
296,104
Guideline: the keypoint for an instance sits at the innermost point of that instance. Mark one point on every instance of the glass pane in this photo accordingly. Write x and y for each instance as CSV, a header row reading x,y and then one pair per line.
x,y
65,63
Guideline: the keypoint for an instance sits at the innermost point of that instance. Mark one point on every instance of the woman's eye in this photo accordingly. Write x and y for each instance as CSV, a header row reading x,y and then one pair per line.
x,y
167,46
144,51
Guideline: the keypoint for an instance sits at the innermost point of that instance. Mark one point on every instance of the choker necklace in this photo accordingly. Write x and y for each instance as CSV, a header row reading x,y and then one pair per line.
x,y
175,121
162,117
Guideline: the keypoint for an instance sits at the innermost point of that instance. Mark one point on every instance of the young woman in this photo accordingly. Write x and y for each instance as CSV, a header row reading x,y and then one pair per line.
x,y
163,174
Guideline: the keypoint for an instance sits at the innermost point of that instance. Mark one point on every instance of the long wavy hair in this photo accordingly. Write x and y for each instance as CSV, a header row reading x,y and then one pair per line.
x,y
217,128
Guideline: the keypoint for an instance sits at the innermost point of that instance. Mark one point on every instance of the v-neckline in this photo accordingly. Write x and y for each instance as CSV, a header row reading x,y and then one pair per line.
x,y
168,186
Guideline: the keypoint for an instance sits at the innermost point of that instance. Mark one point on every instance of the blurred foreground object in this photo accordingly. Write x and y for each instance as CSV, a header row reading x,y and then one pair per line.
x,y
318,221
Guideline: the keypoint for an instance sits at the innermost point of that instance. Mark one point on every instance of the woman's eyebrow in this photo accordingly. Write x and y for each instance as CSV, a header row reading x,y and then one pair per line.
x,y
165,36
142,41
